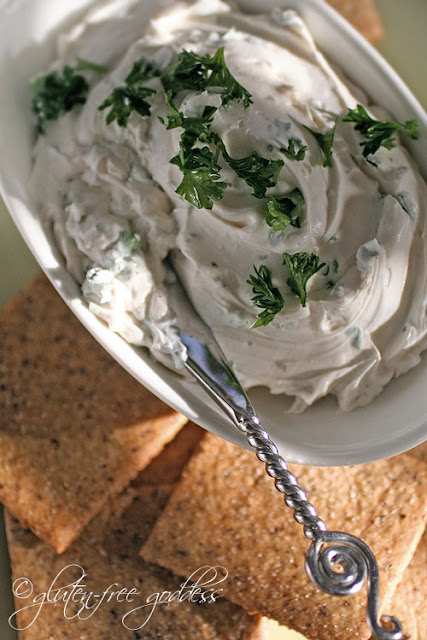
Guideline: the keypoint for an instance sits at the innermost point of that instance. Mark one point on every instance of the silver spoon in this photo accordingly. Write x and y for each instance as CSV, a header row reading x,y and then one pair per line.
x,y
338,563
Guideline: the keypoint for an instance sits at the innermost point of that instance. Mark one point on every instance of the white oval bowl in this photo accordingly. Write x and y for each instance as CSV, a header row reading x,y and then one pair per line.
x,y
323,435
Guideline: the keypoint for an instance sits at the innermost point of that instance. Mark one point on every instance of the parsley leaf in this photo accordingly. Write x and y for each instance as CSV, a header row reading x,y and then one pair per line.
x,y
285,210
185,73
378,133
291,151
199,186
326,142
195,128
258,172
132,96
141,71
302,267
220,80
266,296
57,93
124,100
192,72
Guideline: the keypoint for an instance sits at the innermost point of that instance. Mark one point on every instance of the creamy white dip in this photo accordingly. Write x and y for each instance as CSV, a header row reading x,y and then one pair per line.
x,y
365,319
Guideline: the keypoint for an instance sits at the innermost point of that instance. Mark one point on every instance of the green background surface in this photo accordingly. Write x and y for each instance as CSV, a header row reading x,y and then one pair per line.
x,y
405,47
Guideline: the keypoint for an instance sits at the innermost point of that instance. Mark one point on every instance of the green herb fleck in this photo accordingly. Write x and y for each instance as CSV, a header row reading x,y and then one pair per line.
x,y
266,296
378,133
357,337
326,142
130,240
87,65
302,267
285,210
200,186
292,153
57,93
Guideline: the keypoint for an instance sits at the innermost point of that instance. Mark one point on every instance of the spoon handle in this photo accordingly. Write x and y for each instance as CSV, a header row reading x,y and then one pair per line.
x,y
338,563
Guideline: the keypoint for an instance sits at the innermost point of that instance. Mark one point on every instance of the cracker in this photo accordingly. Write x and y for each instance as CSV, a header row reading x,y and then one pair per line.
x,y
227,511
410,599
363,15
74,426
168,466
108,552
419,452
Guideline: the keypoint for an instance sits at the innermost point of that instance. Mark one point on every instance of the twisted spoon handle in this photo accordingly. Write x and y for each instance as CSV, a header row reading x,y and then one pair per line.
x,y
338,563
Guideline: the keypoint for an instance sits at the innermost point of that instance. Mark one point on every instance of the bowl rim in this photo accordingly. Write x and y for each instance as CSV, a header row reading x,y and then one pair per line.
x,y
181,395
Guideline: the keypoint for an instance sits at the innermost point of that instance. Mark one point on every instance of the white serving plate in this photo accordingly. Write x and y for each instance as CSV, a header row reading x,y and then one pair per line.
x,y
323,435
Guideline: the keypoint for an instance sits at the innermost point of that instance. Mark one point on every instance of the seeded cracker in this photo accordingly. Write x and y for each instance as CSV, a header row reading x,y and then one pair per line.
x,y
410,599
363,15
226,510
75,428
168,466
108,552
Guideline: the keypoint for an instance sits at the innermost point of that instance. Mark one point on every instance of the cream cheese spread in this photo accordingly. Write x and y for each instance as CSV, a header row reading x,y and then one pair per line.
x,y
109,193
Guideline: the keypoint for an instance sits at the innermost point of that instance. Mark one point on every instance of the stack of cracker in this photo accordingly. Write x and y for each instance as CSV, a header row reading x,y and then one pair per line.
x,y
75,431
102,519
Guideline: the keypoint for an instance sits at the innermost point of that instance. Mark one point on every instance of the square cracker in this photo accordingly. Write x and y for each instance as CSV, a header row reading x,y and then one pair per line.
x,y
74,426
168,466
363,15
410,599
227,511
108,552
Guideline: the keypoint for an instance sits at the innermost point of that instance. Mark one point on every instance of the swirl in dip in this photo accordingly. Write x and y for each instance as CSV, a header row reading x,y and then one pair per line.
x,y
109,192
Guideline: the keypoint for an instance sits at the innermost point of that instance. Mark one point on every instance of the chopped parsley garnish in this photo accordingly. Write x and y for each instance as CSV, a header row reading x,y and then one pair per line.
x,y
131,96
325,142
285,210
195,128
200,186
266,296
220,80
141,71
185,73
259,173
292,153
124,100
302,267
378,133
57,93
192,72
